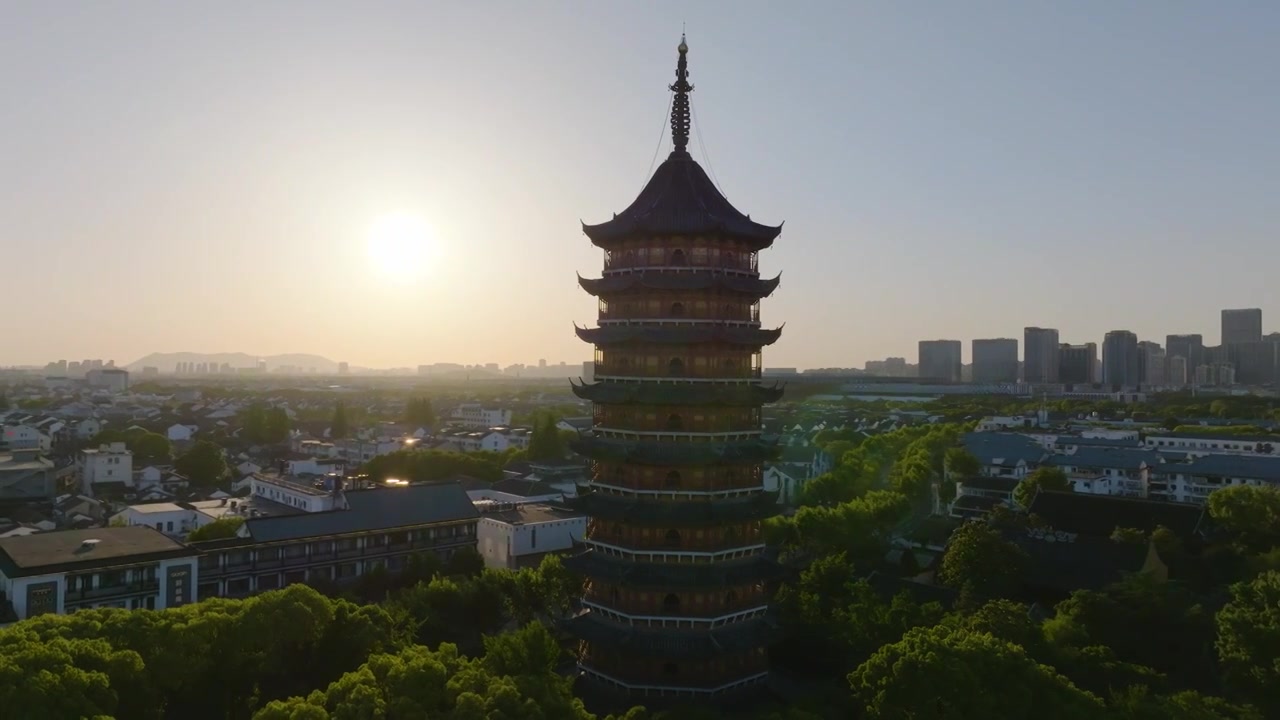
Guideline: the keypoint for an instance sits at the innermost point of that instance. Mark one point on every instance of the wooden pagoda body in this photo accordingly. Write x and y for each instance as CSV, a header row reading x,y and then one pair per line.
x,y
675,565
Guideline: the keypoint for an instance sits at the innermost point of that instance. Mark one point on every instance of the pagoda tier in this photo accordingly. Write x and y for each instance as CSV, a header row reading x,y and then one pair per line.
x,y
731,639
639,393
678,335
628,509
598,565
682,454
755,288
677,574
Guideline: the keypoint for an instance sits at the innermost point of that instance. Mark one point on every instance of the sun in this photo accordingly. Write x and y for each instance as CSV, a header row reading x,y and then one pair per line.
x,y
398,245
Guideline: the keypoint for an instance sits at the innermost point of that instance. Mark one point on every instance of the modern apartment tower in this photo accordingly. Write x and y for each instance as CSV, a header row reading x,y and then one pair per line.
x,y
995,360
1241,326
940,360
675,564
1076,363
1121,366
1040,355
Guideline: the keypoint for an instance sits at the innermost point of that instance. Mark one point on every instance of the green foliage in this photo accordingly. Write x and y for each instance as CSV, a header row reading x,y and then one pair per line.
x,y
204,464
1251,514
338,427
860,528
4,401
433,465
146,446
218,658
546,443
220,529
1248,641
981,563
962,464
418,411
264,425
1132,536
1044,478
945,672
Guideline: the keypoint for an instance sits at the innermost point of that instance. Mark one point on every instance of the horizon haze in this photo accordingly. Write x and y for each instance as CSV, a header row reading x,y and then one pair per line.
x,y
393,184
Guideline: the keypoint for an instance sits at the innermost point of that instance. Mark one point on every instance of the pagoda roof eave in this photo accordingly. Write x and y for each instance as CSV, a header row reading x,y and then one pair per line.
x,y
696,280
662,575
680,514
677,454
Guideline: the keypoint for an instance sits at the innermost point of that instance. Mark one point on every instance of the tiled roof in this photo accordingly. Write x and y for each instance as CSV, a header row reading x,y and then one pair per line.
x,y
993,448
376,509
1100,515
1097,442
1106,457
1257,467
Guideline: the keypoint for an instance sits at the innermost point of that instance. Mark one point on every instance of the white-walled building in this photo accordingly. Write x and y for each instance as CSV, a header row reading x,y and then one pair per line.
x,y
1207,443
476,415
26,475
105,464
68,570
180,433
519,536
27,437
87,428
314,466
111,379
305,495
171,519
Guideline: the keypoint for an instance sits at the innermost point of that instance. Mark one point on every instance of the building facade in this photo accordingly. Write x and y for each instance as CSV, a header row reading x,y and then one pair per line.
x,y
940,360
1076,364
1120,362
1151,363
105,465
475,415
123,567
1241,326
1188,347
1040,355
515,536
995,360
674,559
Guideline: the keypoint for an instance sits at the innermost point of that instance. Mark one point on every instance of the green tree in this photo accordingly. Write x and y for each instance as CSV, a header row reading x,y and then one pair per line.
x,y
981,563
1249,641
338,426
204,464
1251,514
418,411
277,426
149,446
1125,535
545,443
1044,478
219,529
962,464
4,401
944,672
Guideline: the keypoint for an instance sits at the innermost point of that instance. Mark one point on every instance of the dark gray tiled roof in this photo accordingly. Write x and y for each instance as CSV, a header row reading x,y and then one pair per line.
x,y
1095,457
1099,515
1258,467
1009,448
376,509
66,550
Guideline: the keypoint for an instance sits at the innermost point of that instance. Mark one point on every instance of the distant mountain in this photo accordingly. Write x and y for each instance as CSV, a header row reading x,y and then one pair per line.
x,y
168,362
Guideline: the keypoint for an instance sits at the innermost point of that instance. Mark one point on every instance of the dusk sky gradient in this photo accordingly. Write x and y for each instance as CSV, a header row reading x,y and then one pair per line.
x,y
201,176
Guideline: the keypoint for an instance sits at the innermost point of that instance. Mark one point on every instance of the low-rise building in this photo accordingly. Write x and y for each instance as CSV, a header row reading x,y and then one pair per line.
x,y
515,536
375,528
976,496
1195,443
317,493
26,475
1197,478
110,379
26,437
475,415
69,570
105,466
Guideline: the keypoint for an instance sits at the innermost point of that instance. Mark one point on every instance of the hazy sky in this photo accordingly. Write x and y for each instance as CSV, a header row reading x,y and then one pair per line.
x,y
202,176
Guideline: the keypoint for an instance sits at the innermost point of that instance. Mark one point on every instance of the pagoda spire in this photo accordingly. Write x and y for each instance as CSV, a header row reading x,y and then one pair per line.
x,y
680,121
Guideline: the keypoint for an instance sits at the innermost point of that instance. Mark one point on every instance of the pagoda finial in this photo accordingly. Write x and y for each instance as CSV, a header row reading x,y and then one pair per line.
x,y
680,104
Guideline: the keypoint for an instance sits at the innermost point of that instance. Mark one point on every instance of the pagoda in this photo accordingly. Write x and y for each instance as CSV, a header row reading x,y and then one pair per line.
x,y
675,566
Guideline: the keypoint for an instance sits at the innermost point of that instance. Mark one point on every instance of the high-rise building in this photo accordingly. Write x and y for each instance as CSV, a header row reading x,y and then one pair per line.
x,y
675,604
995,360
1040,355
1178,373
1188,347
1120,362
1241,326
1151,362
940,360
1076,363
1255,363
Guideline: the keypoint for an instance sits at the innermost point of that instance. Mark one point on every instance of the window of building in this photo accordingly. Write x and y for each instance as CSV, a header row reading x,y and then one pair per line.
x,y
671,603
677,309
675,367
673,538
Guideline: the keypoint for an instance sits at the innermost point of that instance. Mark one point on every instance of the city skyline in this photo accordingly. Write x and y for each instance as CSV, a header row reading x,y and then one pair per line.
x,y
180,198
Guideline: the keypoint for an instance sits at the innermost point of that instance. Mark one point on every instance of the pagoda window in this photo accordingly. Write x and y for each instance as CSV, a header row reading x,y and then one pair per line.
x,y
630,259
675,367
700,255
677,309
673,538
677,258
730,598
670,669
675,423
673,479
729,364
671,604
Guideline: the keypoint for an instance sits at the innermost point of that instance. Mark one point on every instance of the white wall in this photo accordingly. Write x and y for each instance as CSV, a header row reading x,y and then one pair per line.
x,y
502,544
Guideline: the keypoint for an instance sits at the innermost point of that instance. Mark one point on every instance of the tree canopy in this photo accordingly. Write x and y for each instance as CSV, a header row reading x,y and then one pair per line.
x,y
145,445
204,464
219,529
418,411
1249,641
1043,478
338,427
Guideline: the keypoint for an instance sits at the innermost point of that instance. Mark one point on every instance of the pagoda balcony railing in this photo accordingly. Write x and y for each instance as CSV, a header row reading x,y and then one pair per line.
x,y
725,493
676,621
600,532
624,434
624,260
691,375
677,314
671,420
675,556
671,690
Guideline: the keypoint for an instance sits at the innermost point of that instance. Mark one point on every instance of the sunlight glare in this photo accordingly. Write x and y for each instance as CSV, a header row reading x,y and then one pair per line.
x,y
398,245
